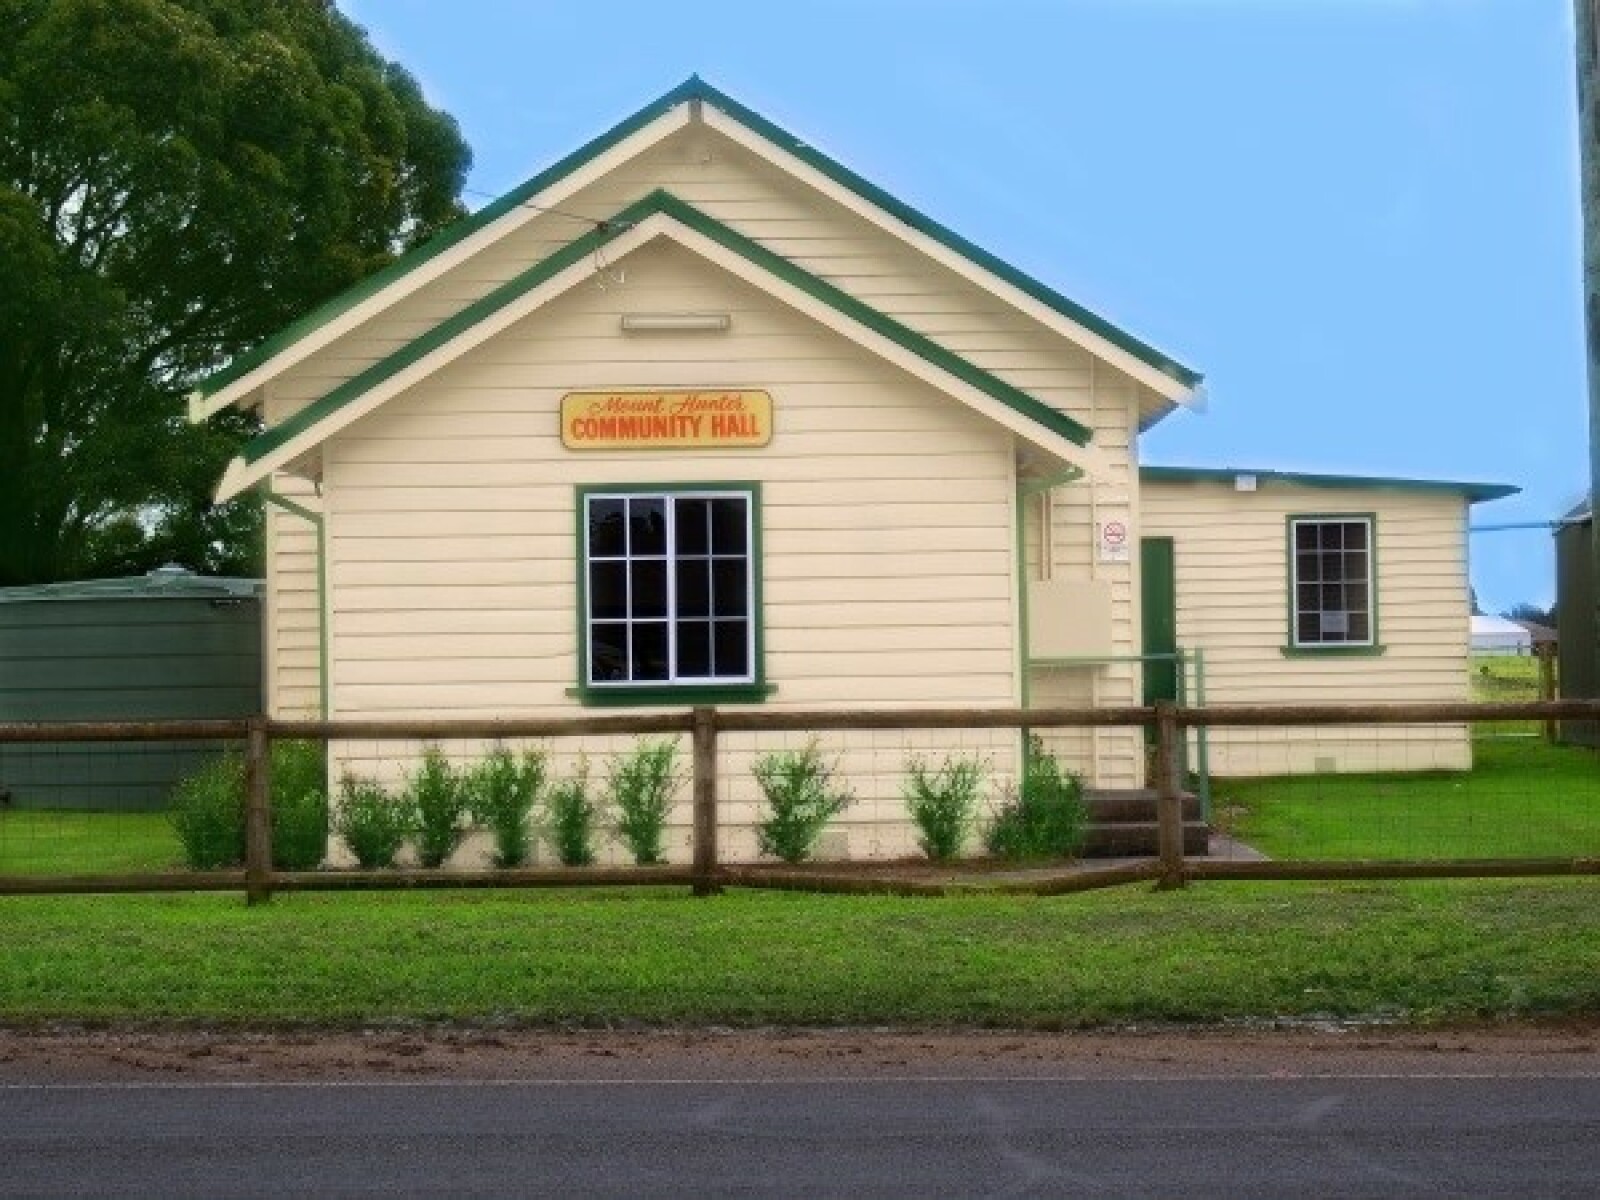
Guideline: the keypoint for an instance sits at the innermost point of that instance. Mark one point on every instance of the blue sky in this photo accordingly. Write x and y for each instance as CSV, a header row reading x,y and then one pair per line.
x,y
1358,217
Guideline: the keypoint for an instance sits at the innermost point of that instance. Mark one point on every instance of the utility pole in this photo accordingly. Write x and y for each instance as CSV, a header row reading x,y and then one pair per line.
x,y
1588,59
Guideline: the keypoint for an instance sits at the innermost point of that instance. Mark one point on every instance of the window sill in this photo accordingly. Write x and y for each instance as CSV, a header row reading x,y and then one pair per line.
x,y
676,696
1333,651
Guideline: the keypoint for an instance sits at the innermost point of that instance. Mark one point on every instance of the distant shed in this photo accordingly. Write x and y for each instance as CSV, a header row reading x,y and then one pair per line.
x,y
167,645
1578,659
1497,635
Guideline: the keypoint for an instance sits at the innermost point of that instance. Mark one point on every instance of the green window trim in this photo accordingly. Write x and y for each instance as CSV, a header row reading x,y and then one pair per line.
x,y
671,696
1333,651
655,692
1371,646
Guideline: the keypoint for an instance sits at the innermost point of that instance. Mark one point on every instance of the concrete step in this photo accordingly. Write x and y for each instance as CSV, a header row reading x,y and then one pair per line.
x,y
1129,838
1107,805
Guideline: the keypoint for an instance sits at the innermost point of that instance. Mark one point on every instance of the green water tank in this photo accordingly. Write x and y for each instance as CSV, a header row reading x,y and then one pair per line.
x,y
169,645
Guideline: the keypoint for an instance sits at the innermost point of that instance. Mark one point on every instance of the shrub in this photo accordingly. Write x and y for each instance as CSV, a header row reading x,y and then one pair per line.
x,y
299,806
944,804
437,795
207,812
573,815
640,786
801,799
372,822
1045,817
504,791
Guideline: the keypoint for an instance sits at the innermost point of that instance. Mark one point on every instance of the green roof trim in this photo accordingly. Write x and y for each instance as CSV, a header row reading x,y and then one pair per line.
x,y
665,204
324,407
924,347
693,88
1474,492
451,235
922,223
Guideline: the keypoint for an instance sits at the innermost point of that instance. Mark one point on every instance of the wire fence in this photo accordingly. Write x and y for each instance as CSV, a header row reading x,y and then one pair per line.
x,y
1403,790
1505,677
1295,792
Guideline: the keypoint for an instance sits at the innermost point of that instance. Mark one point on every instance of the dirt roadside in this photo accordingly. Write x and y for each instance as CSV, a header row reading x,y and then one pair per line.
x,y
35,1056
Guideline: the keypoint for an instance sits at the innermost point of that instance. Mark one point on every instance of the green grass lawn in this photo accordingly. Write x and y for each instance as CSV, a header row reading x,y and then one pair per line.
x,y
1416,951
1506,679
86,843
1521,799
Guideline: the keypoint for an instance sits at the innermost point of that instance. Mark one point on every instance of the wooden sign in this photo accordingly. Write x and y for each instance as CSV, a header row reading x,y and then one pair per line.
x,y
665,420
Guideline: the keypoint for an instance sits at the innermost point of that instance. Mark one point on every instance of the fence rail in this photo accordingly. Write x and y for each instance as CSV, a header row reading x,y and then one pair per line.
x,y
706,873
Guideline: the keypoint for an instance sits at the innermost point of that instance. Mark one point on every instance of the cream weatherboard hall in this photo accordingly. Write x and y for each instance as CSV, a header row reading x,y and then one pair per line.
x,y
699,415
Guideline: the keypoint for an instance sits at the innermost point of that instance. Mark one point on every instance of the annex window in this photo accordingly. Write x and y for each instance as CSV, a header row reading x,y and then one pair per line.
x,y
1331,563
669,587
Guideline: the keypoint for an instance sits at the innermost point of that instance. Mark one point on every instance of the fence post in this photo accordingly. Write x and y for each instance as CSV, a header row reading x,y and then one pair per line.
x,y
257,813
1169,797
1546,652
705,802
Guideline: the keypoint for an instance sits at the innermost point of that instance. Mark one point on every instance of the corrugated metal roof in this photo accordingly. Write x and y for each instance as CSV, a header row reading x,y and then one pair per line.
x,y
1472,491
162,583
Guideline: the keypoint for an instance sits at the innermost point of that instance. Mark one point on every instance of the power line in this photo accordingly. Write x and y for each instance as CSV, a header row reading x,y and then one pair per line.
x,y
1556,524
597,222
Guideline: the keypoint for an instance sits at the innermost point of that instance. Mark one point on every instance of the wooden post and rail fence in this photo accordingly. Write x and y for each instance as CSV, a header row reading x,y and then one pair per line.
x,y
706,875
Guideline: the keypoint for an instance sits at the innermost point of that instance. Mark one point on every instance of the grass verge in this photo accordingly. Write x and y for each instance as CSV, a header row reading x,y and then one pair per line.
x,y
1506,678
1522,799
38,842
1416,951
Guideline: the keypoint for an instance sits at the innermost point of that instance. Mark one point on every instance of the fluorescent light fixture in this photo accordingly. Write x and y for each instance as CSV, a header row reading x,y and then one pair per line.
x,y
675,322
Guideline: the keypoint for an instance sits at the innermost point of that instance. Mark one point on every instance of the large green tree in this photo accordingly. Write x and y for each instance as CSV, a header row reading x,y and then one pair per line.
x,y
178,179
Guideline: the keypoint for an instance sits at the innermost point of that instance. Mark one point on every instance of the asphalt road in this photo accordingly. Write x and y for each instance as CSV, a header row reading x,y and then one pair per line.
x,y
883,1135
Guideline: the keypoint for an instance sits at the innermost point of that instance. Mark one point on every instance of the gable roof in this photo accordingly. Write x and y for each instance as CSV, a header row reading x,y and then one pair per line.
x,y
671,111
1474,492
721,102
659,213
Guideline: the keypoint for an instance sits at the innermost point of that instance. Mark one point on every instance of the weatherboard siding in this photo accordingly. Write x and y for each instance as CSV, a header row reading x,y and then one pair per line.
x,y
756,199
1106,757
291,622
1232,584
886,516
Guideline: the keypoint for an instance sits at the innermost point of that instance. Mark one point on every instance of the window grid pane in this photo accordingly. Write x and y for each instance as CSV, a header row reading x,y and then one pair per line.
x,y
694,587
1332,583
692,526
669,588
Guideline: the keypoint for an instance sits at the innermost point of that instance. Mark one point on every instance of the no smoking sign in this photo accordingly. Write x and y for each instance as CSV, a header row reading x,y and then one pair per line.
x,y
1113,541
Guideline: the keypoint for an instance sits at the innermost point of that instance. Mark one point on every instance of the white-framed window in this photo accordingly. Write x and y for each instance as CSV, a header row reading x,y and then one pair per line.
x,y
1333,581
669,587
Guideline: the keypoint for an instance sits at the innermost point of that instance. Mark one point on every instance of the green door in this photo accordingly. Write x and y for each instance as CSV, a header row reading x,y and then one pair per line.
x,y
1158,599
